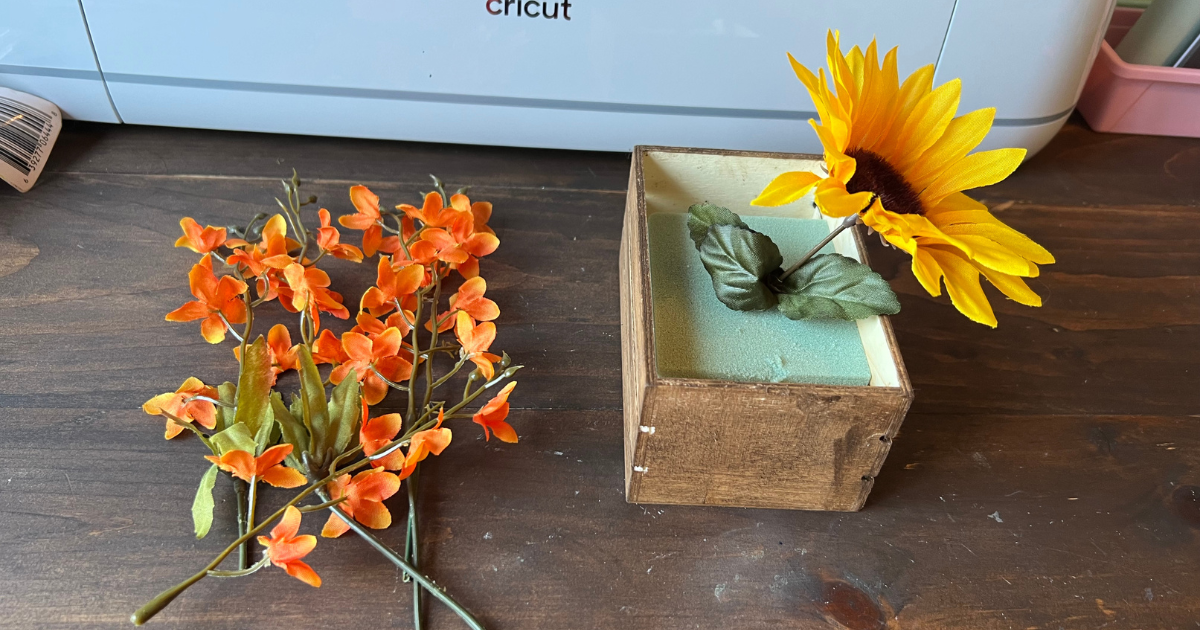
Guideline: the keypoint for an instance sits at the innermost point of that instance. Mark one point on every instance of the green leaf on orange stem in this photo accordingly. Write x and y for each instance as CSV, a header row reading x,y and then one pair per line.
x,y
297,409
202,505
266,436
235,438
293,432
315,411
345,409
254,387
227,393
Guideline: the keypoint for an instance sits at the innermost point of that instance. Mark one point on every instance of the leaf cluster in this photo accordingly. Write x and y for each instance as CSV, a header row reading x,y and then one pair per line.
x,y
253,418
747,273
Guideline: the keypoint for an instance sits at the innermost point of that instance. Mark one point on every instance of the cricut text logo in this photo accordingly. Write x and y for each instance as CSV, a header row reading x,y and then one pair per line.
x,y
530,8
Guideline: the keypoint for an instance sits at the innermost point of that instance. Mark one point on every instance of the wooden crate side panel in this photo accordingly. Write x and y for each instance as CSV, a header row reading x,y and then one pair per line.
x,y
802,448
635,350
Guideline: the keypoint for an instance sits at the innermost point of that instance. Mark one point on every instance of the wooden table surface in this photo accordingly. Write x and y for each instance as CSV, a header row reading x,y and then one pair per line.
x,y
1047,476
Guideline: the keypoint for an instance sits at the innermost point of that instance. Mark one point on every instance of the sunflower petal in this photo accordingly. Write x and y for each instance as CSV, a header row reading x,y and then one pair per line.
x,y
1012,286
962,134
834,201
962,283
992,255
917,85
927,271
807,78
975,170
1005,237
786,188
928,120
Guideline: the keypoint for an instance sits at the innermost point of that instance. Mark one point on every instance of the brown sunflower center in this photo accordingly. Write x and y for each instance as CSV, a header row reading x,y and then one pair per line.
x,y
873,174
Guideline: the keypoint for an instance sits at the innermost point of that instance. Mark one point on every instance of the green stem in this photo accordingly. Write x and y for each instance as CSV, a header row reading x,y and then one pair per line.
x,y
400,232
228,326
154,606
395,559
388,381
239,488
214,401
411,536
191,427
433,335
321,506
151,608
448,375
251,503
241,572
416,348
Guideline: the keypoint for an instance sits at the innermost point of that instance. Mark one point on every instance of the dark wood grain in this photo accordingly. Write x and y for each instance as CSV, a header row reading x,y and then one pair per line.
x,y
1047,476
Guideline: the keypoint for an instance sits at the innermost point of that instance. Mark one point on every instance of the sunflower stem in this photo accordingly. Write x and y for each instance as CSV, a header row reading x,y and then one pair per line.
x,y
848,222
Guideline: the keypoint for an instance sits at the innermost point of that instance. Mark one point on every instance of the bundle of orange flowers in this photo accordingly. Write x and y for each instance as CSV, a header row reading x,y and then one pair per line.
x,y
325,439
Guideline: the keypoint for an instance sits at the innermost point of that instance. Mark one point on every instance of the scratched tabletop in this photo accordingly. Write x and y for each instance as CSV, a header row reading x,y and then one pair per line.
x,y
1047,476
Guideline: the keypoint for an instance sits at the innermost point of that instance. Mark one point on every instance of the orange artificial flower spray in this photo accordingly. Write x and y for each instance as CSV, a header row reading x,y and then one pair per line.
x,y
325,442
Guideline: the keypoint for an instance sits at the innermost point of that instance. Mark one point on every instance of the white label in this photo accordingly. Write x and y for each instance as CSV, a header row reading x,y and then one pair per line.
x,y
28,128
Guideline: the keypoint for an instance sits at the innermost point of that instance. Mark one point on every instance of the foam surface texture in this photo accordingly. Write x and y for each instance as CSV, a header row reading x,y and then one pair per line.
x,y
696,336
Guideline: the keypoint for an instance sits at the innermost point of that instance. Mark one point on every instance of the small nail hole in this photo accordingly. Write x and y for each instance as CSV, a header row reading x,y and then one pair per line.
x,y
866,478
885,439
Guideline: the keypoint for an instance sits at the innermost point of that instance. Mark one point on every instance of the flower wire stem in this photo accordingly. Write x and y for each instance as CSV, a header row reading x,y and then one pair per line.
x,y
410,543
239,487
251,501
229,327
848,222
395,559
390,383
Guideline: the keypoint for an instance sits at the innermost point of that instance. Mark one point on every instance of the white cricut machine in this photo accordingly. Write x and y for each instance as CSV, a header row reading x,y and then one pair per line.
x,y
578,74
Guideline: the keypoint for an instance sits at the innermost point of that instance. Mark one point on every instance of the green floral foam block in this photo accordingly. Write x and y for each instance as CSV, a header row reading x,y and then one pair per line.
x,y
696,336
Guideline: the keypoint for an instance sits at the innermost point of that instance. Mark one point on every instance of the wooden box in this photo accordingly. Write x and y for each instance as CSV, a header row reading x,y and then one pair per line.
x,y
708,442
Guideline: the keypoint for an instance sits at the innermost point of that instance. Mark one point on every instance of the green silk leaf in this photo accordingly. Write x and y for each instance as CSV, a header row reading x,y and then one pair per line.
x,y
266,434
345,409
227,393
832,286
235,438
702,216
202,505
254,387
315,411
291,430
297,409
739,259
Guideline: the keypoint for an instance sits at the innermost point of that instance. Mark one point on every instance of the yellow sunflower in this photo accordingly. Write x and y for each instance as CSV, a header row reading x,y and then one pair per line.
x,y
898,157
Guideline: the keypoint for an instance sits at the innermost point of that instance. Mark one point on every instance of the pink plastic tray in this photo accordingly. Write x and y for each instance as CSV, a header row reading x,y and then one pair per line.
x,y
1121,97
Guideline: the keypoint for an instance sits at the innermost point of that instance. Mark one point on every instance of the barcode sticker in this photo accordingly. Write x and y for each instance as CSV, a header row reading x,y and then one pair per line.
x,y
28,128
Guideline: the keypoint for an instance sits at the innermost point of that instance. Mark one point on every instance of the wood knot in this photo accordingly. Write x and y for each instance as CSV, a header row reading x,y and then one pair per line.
x,y
850,606
15,254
